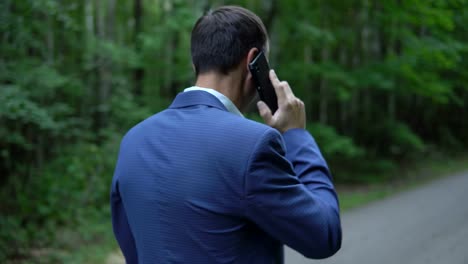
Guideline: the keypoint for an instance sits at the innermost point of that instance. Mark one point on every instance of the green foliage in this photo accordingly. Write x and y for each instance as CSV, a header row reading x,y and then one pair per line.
x,y
15,106
125,111
403,140
68,189
86,169
334,145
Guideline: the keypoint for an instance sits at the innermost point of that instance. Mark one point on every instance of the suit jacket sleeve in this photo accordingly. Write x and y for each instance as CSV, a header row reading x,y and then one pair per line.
x,y
121,227
290,194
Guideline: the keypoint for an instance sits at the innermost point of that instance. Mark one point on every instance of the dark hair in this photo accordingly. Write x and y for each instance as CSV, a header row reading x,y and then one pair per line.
x,y
223,37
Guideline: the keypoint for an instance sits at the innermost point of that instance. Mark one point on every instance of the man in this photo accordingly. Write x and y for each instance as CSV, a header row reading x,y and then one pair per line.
x,y
199,183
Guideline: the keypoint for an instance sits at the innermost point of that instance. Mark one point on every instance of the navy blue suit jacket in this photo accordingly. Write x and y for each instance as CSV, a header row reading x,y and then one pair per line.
x,y
198,184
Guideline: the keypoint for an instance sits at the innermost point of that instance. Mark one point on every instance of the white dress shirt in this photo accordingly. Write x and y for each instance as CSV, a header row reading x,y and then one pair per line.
x,y
230,106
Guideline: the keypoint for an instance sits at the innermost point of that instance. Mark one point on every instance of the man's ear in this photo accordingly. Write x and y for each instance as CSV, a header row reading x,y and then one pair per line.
x,y
248,84
250,56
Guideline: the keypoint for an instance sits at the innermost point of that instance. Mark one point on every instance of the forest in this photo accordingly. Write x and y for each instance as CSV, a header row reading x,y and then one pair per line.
x,y
384,84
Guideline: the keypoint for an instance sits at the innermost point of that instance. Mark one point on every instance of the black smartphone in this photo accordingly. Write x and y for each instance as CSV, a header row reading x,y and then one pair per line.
x,y
261,76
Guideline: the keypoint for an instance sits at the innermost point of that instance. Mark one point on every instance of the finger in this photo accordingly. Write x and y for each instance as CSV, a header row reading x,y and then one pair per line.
x,y
287,90
264,111
277,85
301,103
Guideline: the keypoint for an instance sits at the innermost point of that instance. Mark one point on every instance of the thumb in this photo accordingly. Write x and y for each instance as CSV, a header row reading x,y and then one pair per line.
x,y
264,111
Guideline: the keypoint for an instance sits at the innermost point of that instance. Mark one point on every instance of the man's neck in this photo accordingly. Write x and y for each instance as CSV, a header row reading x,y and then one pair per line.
x,y
228,85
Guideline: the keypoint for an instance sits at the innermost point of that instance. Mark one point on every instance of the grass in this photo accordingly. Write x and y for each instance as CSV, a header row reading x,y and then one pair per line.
x,y
409,177
95,250
352,199
94,240
89,241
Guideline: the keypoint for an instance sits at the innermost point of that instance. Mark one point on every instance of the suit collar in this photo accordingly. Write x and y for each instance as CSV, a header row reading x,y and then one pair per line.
x,y
230,106
191,98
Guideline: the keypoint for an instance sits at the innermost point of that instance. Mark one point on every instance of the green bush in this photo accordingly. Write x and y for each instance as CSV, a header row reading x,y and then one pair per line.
x,y
333,145
70,187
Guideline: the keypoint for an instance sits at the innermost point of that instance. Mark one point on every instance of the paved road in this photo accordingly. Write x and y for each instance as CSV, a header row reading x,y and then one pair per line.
x,y
427,225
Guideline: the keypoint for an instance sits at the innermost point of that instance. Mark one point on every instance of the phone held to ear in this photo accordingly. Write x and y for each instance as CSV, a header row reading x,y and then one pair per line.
x,y
260,71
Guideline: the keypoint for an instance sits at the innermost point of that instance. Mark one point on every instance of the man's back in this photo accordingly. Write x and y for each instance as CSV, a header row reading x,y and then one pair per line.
x,y
180,176
196,185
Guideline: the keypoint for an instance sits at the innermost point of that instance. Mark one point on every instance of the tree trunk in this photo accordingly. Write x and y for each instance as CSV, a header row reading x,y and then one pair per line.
x,y
365,52
40,145
344,109
138,73
323,86
106,15
307,82
271,13
102,81
355,63
91,60
168,53
323,115
394,49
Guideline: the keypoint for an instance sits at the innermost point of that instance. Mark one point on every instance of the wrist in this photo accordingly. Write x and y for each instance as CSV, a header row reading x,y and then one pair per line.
x,y
284,130
292,130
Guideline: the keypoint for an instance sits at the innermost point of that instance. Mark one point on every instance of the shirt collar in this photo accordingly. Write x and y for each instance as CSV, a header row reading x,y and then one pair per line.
x,y
221,97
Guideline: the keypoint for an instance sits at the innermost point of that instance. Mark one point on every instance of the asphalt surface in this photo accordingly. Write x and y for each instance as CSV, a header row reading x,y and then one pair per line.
x,y
426,225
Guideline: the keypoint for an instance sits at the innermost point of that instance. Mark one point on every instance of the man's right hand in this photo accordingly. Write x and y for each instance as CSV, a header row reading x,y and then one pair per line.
x,y
291,110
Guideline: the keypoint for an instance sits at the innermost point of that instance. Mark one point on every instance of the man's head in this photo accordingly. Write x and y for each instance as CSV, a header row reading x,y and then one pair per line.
x,y
222,38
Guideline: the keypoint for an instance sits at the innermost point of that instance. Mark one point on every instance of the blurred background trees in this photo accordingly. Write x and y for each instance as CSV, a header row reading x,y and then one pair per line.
x,y
384,82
